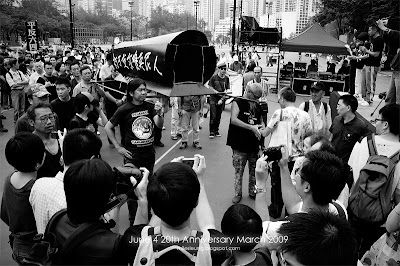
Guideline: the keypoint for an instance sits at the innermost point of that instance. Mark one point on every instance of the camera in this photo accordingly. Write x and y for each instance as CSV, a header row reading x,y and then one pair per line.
x,y
273,153
188,161
124,189
124,185
382,95
54,135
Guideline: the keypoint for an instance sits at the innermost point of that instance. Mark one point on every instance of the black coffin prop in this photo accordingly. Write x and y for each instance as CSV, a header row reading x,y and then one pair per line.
x,y
175,64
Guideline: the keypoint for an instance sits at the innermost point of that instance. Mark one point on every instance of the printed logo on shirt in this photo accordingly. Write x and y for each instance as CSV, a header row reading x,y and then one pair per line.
x,y
142,127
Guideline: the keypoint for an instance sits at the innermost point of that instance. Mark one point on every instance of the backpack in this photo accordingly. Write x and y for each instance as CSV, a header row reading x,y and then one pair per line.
x,y
147,256
307,106
45,250
370,197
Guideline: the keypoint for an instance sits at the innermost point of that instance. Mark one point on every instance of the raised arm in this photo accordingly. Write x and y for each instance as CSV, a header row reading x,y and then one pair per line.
x,y
289,195
261,206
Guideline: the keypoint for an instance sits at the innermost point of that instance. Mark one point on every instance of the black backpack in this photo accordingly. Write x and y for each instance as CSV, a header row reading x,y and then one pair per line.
x,y
45,250
307,107
370,198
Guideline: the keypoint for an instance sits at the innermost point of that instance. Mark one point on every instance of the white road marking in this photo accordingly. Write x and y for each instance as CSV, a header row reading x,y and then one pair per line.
x,y
173,146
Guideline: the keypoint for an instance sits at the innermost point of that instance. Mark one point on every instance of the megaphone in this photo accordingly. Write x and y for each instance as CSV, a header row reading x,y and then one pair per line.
x,y
176,64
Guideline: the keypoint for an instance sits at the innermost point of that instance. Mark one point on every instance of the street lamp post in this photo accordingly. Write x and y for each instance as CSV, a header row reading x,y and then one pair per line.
x,y
131,6
234,26
196,5
71,24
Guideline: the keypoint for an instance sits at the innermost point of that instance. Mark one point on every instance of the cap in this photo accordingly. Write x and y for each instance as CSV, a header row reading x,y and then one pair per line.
x,y
318,86
221,64
235,58
39,90
90,97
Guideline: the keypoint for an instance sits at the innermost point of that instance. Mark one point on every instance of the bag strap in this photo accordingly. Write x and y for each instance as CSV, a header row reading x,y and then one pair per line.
x,y
306,106
54,219
265,254
340,210
371,145
81,234
325,107
280,117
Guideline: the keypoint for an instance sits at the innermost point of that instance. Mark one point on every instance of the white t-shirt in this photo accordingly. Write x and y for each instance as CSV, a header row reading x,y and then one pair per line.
x,y
359,156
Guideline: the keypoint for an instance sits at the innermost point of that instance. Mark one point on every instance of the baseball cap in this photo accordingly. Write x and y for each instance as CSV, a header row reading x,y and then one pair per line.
x,y
221,64
318,86
38,90
84,96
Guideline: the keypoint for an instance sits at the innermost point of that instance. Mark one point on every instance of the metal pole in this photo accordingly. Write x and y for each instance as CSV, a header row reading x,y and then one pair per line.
x,y
234,26
131,5
196,5
71,24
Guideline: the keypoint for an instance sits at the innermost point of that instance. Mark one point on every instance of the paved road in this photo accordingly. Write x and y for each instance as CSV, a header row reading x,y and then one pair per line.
x,y
219,182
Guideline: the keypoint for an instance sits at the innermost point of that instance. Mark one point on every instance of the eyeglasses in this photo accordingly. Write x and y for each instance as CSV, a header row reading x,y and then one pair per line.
x,y
45,118
297,173
283,261
377,119
222,68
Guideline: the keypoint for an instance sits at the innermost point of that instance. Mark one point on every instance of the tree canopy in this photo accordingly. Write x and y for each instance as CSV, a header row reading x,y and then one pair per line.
x,y
357,14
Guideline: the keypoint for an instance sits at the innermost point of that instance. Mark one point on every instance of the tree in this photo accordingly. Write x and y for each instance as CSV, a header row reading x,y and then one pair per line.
x,y
355,13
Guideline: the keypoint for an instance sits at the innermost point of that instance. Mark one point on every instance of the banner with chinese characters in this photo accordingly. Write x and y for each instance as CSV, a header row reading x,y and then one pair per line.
x,y
32,42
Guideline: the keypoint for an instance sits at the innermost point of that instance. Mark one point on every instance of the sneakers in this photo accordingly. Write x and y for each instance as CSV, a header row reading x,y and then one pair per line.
x,y
365,103
197,145
174,137
212,135
236,199
183,145
159,144
358,97
217,134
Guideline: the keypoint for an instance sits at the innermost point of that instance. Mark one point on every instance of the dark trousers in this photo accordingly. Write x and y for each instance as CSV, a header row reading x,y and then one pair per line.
x,y
275,209
366,233
157,134
215,116
149,165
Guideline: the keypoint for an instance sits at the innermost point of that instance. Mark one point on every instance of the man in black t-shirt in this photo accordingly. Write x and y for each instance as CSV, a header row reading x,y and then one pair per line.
x,y
220,83
244,137
63,106
48,80
373,62
137,119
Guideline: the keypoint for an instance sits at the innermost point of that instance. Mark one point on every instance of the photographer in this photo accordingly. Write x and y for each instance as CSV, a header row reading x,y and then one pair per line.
x,y
47,194
319,182
393,94
300,124
174,191
88,185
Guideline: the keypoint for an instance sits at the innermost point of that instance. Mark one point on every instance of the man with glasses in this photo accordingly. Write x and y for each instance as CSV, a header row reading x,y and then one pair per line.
x,y
387,144
47,194
42,118
244,137
220,83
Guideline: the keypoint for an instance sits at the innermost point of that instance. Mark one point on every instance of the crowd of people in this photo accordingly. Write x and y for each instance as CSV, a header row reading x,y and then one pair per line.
x,y
322,171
